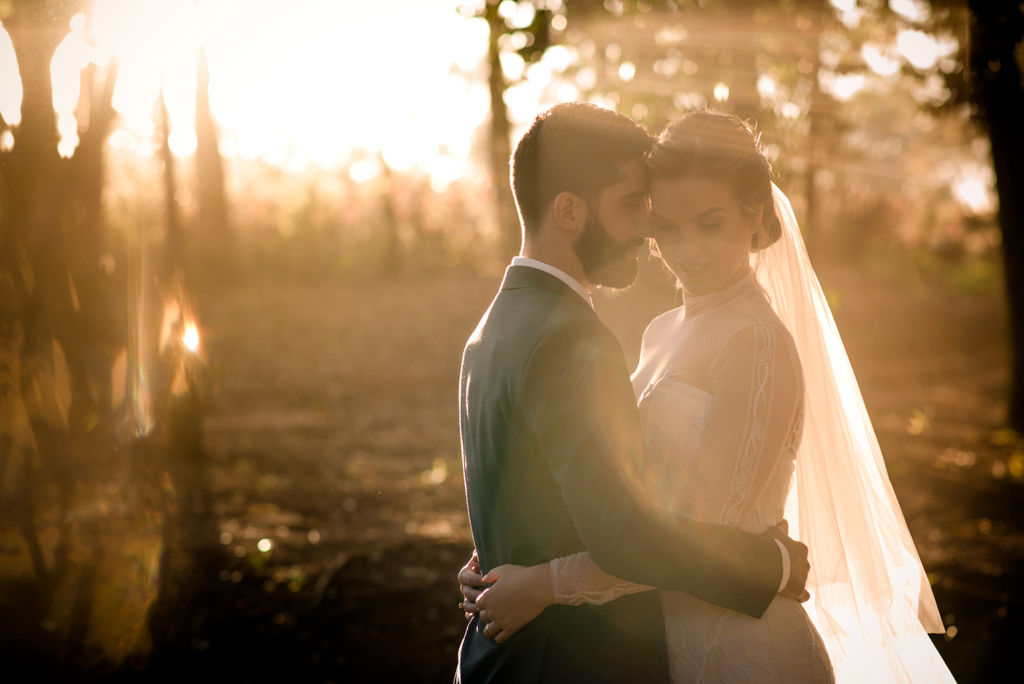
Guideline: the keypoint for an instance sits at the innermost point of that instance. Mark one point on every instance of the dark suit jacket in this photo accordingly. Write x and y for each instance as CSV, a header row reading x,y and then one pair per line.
x,y
553,463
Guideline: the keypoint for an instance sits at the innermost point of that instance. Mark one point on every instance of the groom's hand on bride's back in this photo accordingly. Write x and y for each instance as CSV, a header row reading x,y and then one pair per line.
x,y
799,566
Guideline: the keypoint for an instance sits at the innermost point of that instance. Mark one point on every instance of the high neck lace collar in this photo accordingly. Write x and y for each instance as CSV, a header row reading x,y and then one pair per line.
x,y
699,304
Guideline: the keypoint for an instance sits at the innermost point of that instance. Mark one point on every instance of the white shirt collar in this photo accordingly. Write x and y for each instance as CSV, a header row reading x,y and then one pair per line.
x,y
558,273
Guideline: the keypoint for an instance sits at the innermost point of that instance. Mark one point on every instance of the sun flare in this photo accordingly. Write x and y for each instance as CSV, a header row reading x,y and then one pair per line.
x,y
191,338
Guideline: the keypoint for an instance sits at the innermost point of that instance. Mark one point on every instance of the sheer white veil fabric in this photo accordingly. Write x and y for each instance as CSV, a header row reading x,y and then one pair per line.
x,y
871,599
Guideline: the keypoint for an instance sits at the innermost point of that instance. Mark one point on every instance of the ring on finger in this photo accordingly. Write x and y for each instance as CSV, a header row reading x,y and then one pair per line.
x,y
488,633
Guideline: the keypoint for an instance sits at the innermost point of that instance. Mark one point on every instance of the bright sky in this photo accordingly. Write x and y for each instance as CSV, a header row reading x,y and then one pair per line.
x,y
308,80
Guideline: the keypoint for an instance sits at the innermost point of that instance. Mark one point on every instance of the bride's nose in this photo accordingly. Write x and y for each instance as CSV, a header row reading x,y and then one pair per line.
x,y
686,249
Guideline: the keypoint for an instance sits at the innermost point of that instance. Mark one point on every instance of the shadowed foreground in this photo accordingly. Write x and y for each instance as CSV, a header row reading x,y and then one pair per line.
x,y
332,434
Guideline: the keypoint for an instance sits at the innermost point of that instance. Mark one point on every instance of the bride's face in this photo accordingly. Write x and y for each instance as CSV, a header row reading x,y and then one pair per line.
x,y
701,231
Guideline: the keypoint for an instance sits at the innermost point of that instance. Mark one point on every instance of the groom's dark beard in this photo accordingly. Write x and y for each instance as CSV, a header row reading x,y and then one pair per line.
x,y
606,261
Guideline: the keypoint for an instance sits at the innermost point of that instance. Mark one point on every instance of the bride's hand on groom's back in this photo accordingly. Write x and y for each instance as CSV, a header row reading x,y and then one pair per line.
x,y
516,595
799,566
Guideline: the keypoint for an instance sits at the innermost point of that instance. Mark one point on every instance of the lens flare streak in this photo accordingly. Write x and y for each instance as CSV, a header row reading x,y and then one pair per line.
x,y
139,361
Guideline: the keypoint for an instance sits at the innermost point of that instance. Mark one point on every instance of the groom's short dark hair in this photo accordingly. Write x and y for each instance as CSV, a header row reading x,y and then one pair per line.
x,y
572,147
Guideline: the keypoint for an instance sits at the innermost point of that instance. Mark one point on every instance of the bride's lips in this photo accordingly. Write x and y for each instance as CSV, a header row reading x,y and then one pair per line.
x,y
694,269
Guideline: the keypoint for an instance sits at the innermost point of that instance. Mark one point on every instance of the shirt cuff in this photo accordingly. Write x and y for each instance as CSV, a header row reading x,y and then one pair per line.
x,y
785,565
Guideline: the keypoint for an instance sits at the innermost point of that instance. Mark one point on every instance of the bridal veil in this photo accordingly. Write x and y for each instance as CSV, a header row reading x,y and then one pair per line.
x,y
871,600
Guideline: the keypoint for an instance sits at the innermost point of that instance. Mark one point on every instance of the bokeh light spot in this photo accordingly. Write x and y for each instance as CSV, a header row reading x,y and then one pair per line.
x,y
437,474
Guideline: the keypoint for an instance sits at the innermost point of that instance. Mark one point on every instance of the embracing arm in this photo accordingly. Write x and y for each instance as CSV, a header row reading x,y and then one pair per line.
x,y
582,409
758,389
577,579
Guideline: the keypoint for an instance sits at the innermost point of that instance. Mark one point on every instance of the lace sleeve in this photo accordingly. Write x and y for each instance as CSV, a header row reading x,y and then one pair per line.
x,y
758,389
577,579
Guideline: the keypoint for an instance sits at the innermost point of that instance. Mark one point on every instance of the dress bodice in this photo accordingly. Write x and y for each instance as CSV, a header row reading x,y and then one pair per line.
x,y
720,395
675,418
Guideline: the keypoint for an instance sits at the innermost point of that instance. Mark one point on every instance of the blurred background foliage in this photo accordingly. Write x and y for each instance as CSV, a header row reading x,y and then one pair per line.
x,y
895,128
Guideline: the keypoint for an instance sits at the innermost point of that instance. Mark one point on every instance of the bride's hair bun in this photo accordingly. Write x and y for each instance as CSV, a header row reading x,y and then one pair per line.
x,y
727,149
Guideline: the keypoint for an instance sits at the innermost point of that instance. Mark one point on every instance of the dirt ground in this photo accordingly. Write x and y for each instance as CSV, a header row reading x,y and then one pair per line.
x,y
332,438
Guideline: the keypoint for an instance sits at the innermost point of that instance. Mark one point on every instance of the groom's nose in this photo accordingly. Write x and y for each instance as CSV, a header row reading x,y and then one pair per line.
x,y
647,224
645,228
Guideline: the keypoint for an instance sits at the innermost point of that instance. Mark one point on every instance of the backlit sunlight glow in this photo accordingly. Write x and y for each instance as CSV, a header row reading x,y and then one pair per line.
x,y
356,85
343,75
849,12
10,81
883,64
766,86
916,11
972,189
322,81
71,56
922,50
841,86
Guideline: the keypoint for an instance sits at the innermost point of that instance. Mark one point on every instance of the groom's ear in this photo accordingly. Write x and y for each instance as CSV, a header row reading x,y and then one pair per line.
x,y
570,212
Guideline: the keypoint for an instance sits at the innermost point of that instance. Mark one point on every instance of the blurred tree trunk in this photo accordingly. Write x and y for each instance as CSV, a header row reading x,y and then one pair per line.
x,y
32,168
818,138
174,239
45,311
86,241
997,26
86,173
218,253
510,237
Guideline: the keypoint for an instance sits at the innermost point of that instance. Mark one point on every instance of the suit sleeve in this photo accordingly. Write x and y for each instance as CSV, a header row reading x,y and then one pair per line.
x,y
580,405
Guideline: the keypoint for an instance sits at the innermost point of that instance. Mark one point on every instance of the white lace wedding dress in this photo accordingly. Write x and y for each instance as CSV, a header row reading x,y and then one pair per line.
x,y
744,432
721,397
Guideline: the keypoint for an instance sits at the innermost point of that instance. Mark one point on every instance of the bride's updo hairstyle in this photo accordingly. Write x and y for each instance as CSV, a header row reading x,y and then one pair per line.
x,y
724,148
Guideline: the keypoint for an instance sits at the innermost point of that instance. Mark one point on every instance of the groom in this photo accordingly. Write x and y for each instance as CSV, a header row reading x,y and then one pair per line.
x,y
551,440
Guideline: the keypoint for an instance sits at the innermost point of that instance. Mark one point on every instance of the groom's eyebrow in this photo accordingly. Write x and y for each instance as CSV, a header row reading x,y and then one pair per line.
x,y
635,195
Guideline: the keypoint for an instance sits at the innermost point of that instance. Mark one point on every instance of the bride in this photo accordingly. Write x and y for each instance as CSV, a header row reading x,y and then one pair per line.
x,y
751,414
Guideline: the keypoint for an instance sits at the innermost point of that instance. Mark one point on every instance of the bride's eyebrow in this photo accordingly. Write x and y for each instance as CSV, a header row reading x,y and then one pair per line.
x,y
712,210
